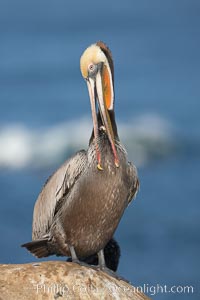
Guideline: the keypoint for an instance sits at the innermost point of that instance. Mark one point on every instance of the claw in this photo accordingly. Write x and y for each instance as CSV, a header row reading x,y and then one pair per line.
x,y
99,167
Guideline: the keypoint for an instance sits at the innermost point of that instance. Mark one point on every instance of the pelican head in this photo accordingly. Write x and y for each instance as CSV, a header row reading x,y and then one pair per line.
x,y
97,69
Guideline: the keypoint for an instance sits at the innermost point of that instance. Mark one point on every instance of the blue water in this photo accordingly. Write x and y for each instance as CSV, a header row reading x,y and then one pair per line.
x,y
45,117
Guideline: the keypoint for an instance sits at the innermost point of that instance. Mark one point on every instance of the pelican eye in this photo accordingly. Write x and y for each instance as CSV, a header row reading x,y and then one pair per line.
x,y
92,70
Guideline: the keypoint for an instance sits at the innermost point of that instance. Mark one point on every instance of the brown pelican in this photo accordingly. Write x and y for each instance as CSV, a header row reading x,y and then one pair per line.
x,y
81,204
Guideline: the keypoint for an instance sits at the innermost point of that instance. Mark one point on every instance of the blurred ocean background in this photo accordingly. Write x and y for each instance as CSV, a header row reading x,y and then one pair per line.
x,y
45,117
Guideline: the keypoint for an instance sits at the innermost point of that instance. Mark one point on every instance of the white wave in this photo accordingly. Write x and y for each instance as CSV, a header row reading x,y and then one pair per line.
x,y
15,146
146,137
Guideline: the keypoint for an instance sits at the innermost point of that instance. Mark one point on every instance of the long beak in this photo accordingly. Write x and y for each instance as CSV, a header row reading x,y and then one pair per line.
x,y
104,115
91,89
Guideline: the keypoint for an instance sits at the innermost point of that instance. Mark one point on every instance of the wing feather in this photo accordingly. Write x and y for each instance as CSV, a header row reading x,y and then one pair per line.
x,y
135,182
50,199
